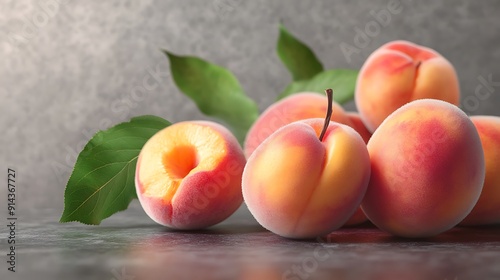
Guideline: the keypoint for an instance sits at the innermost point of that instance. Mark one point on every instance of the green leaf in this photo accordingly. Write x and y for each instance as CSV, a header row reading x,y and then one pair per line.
x,y
102,182
342,81
216,92
297,57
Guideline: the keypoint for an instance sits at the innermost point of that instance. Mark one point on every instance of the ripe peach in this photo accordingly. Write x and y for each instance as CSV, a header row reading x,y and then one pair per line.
x,y
355,122
487,209
399,72
358,125
296,107
357,218
307,178
188,175
427,169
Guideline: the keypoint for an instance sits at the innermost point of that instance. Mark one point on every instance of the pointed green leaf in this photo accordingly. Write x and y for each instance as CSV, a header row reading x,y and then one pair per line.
x,y
216,92
342,81
297,57
102,182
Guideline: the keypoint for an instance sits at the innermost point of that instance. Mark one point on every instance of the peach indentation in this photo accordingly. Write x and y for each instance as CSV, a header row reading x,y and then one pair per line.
x,y
180,161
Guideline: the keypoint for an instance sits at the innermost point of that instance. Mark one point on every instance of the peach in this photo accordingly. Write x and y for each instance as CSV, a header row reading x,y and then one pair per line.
x,y
355,122
358,125
487,209
306,179
356,219
188,175
296,107
399,72
427,169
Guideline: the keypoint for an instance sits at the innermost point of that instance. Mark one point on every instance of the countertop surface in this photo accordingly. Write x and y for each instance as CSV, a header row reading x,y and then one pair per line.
x,y
130,246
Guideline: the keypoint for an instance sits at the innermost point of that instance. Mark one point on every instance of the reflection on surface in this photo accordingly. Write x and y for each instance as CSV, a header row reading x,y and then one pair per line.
x,y
365,252
225,253
132,247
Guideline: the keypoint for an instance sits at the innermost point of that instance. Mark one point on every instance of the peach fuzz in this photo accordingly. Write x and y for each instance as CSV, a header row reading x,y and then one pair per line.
x,y
300,185
355,122
293,108
358,125
356,219
487,209
427,169
399,72
188,175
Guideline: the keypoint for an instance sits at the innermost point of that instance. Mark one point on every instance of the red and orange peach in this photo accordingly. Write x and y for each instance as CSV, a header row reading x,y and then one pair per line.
x,y
299,106
487,209
354,121
188,175
306,180
399,72
427,169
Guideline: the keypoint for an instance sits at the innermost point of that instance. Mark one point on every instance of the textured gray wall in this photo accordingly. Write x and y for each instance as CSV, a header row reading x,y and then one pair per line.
x,y
71,73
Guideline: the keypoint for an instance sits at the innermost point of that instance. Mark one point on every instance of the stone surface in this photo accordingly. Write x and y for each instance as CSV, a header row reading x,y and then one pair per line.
x,y
130,246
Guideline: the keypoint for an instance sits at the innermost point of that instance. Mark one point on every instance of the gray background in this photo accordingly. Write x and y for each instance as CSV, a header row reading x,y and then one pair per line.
x,y
74,71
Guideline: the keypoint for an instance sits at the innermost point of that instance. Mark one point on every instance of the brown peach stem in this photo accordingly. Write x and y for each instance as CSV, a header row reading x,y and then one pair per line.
x,y
329,94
